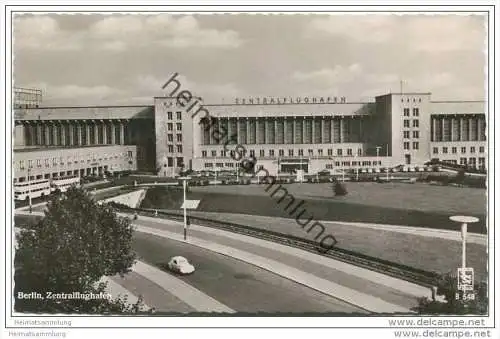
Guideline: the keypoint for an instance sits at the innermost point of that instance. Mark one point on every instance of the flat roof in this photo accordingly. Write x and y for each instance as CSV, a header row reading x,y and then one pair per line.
x,y
56,148
85,112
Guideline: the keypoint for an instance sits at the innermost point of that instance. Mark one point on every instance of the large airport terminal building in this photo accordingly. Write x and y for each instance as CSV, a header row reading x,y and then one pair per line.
x,y
283,134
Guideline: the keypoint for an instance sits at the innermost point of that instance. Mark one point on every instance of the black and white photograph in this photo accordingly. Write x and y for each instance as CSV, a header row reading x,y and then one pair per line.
x,y
243,168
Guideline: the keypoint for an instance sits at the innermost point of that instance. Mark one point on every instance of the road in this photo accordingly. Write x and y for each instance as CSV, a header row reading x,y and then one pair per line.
x,y
240,286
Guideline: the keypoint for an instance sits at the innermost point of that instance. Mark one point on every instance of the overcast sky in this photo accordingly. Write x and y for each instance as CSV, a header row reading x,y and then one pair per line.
x,y
125,59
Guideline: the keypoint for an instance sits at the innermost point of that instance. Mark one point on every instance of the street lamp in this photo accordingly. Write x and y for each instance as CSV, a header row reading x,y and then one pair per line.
x,y
184,204
464,220
378,150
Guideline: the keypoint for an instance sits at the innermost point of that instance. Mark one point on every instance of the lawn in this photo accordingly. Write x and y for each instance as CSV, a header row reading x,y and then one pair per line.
x,y
418,196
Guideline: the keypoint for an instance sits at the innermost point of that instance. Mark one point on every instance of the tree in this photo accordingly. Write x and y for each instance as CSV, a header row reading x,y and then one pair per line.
x,y
447,287
69,250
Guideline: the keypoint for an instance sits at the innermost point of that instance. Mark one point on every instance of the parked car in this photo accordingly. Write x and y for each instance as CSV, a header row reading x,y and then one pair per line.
x,y
180,265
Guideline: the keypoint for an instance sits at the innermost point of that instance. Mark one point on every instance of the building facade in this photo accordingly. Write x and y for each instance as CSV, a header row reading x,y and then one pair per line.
x,y
313,134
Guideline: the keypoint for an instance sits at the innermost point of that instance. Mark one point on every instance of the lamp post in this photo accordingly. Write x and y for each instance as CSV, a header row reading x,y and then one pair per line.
x,y
378,150
464,220
387,157
184,187
29,190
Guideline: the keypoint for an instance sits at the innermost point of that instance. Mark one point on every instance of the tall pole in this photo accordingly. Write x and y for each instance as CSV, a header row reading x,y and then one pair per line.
x,y
464,243
387,159
184,183
29,190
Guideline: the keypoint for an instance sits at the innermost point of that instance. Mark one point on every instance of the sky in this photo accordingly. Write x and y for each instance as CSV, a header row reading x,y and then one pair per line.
x,y
99,59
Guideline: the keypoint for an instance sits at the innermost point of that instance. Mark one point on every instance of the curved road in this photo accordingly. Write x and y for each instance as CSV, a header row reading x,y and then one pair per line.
x,y
238,285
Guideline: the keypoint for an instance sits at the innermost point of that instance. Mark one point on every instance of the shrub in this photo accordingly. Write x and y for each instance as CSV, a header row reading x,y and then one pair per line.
x,y
339,189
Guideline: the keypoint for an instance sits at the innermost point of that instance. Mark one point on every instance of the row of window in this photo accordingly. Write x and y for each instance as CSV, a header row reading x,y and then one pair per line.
x,y
171,148
406,123
328,166
406,145
170,137
435,150
178,115
281,152
170,162
406,134
406,112
72,160
178,126
408,100
471,162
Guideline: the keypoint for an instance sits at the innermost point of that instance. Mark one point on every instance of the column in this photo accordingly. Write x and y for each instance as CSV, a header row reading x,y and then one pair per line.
x,y
275,141
341,129
433,129
79,131
87,131
122,134
470,129
285,129
323,141
96,132
257,134
104,133
113,133
479,129
229,128
332,127
39,133
443,120
63,134
71,133
55,133
47,134
303,139
452,135
247,121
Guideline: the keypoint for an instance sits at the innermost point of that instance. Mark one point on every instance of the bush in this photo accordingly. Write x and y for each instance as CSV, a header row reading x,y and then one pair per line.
x,y
339,189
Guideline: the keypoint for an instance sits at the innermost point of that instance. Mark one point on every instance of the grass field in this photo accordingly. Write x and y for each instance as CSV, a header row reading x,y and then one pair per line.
x,y
418,196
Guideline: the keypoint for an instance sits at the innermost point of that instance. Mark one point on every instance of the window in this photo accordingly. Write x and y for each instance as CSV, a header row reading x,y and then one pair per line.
x,y
473,149
170,148
262,153
281,152
406,145
454,150
415,123
337,163
301,152
169,115
179,137
229,164
54,161
310,152
360,151
406,123
329,166
320,152
129,154
204,154
406,112
223,153
170,137
339,152
47,163
445,150
481,149
435,150
349,151
330,152
463,161
214,153
415,112
170,161
271,153
38,163
219,164
208,164
170,126
463,150
406,134
252,153
415,145
179,115
180,162
179,126
290,152
21,164
179,148
415,134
